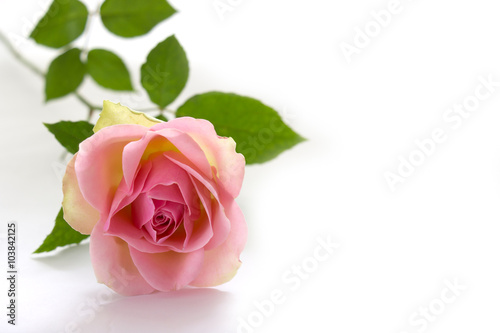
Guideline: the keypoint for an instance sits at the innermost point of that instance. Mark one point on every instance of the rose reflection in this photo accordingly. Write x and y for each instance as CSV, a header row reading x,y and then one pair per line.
x,y
184,311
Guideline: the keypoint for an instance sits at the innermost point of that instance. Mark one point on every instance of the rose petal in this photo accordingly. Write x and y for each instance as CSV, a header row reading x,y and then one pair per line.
x,y
125,194
143,210
169,270
79,214
114,114
113,265
219,151
121,225
221,226
164,172
176,209
221,263
169,139
183,163
167,193
188,147
98,164
198,232
212,232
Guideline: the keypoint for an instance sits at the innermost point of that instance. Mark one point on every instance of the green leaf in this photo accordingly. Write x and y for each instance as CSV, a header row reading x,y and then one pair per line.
x,y
258,130
71,133
161,117
63,23
108,70
165,72
130,18
64,75
61,235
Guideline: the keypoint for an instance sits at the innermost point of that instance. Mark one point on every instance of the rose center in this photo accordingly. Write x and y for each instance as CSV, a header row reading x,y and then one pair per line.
x,y
168,216
160,219
162,223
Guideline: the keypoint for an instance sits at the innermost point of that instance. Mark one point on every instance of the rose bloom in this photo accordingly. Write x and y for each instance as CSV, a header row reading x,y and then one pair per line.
x,y
157,199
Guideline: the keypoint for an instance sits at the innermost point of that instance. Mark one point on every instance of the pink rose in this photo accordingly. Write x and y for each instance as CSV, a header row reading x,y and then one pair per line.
x,y
158,202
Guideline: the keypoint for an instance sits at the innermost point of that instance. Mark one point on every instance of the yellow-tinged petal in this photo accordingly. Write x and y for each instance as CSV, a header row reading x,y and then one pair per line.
x,y
79,214
117,114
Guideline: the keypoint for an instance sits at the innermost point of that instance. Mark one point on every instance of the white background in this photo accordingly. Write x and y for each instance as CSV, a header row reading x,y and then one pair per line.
x,y
397,248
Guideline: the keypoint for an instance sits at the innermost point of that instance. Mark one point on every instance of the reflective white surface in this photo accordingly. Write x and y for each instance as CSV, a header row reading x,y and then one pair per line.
x,y
399,251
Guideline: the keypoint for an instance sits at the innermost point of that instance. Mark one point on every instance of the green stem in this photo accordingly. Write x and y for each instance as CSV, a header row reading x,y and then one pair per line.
x,y
172,112
86,102
19,57
4,40
91,112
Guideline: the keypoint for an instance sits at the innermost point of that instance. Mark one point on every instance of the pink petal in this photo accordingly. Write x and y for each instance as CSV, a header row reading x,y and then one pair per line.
x,y
80,215
217,223
167,193
99,163
183,163
198,232
175,241
121,225
125,194
143,210
169,270
220,152
113,265
175,209
188,147
169,139
221,263
164,172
